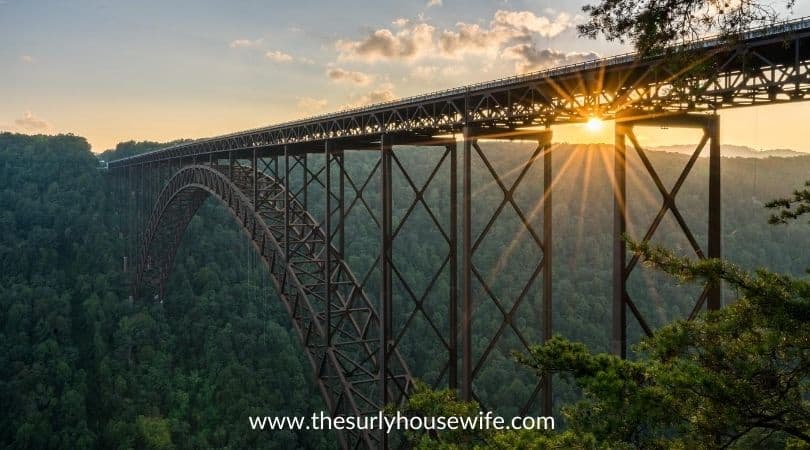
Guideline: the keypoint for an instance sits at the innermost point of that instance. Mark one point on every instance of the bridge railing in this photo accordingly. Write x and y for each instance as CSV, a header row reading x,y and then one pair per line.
x,y
781,27
708,41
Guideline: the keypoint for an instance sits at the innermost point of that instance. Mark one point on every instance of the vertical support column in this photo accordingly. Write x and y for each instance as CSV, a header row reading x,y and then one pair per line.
x,y
230,165
255,170
328,235
129,214
386,309
453,313
547,255
385,261
287,195
342,204
619,329
305,171
714,299
153,184
466,270
139,204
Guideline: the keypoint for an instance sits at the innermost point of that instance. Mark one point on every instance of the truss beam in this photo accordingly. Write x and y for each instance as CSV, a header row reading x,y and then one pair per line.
x,y
622,267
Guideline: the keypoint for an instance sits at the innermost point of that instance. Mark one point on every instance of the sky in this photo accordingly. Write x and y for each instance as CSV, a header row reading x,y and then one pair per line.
x,y
114,71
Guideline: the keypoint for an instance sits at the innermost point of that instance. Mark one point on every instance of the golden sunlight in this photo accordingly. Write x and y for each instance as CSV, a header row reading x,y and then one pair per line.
x,y
594,124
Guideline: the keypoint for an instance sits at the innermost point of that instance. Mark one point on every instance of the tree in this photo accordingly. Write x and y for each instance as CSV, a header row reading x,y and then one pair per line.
x,y
791,208
424,402
653,25
734,378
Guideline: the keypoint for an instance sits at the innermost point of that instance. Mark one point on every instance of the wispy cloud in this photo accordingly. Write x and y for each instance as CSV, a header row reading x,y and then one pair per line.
x,y
432,3
278,57
29,122
341,75
400,22
308,106
384,93
529,58
246,43
28,59
424,73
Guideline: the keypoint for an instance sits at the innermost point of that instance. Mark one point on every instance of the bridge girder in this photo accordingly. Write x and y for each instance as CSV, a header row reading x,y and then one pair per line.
x,y
331,314
764,66
273,208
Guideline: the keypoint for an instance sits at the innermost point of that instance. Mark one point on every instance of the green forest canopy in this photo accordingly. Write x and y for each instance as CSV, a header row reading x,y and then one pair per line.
x,y
86,367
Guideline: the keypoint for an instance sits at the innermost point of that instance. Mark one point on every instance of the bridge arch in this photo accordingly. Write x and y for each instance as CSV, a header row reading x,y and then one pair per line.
x,y
341,351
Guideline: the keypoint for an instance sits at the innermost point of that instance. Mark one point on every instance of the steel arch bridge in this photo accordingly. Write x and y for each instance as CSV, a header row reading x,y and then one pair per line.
x,y
290,188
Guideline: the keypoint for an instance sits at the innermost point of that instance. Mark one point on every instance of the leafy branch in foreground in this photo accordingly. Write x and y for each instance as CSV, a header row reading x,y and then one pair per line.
x,y
737,377
733,378
429,403
653,25
790,208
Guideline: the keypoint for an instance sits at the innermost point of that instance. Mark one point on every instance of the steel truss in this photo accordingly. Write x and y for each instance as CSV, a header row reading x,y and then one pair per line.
x,y
352,342
622,268
472,364
769,65
288,187
336,322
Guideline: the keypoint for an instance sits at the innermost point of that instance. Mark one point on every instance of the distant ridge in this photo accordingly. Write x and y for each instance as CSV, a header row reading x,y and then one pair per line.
x,y
733,151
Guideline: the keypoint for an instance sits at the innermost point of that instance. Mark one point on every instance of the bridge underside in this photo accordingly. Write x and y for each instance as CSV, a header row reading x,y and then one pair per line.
x,y
295,203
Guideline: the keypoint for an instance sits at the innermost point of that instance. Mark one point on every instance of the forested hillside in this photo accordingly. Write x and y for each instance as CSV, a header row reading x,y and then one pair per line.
x,y
85,366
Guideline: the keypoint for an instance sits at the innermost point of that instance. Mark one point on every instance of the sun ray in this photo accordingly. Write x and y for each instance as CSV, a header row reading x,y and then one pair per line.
x,y
501,262
583,199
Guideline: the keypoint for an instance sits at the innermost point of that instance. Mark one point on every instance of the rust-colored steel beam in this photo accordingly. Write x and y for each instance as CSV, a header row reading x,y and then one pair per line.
x,y
763,66
622,268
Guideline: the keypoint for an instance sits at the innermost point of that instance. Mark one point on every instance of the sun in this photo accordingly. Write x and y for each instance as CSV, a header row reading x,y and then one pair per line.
x,y
594,124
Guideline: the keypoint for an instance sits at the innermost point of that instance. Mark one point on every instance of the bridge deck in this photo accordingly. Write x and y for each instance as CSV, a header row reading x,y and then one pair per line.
x,y
765,65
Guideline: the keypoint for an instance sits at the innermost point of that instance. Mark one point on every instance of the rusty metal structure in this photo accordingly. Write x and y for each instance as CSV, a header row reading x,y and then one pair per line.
x,y
288,186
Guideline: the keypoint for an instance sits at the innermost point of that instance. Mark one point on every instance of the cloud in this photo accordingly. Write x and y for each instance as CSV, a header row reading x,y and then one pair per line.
x,y
245,43
310,106
341,75
305,60
28,59
31,123
506,27
401,22
383,44
424,73
529,58
278,57
414,40
468,38
384,93
378,96
527,22
432,3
